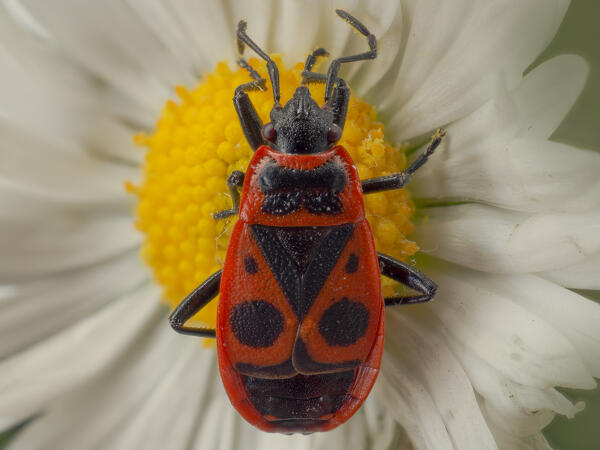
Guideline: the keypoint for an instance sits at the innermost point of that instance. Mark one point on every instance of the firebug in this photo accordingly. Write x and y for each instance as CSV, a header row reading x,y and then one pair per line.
x,y
300,320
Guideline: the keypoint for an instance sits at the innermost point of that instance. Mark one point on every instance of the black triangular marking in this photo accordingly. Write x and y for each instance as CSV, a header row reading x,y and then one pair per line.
x,y
283,267
301,290
301,243
323,263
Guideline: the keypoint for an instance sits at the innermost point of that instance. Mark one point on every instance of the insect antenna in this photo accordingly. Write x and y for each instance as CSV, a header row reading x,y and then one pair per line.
x,y
334,68
242,41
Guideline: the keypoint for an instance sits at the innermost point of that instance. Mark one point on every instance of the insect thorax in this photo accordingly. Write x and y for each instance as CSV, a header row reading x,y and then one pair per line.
x,y
302,190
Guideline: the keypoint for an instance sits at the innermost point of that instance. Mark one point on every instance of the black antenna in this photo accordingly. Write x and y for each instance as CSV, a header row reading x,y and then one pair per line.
x,y
242,40
334,68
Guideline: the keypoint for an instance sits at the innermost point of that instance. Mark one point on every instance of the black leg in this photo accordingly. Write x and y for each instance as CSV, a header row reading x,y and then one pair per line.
x,y
308,76
408,276
399,180
249,119
334,68
312,59
242,40
193,303
253,73
235,182
339,103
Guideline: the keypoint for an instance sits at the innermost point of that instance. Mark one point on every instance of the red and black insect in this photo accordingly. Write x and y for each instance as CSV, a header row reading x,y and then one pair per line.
x,y
300,321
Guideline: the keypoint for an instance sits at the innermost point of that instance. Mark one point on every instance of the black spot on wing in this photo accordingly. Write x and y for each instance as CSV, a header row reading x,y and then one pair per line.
x,y
344,322
250,265
256,323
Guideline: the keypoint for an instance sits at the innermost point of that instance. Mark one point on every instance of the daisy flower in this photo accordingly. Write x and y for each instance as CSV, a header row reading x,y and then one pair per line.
x,y
506,219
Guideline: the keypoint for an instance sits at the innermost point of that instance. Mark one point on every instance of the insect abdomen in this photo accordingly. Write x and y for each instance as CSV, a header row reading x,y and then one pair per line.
x,y
301,402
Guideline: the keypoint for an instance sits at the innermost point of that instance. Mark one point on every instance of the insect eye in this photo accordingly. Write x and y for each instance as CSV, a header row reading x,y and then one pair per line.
x,y
268,132
335,134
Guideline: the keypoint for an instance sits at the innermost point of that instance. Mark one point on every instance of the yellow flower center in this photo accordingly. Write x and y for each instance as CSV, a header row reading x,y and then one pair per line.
x,y
198,142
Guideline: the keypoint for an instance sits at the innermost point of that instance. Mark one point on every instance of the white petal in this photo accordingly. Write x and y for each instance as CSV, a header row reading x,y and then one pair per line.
x,y
42,237
413,346
537,442
159,16
518,344
383,429
511,400
505,440
524,174
495,240
32,379
432,27
582,275
45,96
36,309
547,94
574,316
410,404
113,43
502,426
21,16
479,48
499,155
216,414
129,383
296,29
534,422
210,26
43,169
181,392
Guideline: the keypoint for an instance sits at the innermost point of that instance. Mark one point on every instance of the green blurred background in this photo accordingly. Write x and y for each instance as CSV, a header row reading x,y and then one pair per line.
x,y
580,33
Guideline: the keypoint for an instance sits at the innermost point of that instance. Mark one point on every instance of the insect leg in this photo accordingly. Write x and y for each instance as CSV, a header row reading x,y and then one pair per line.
x,y
308,76
249,119
193,303
408,276
312,59
339,103
242,40
399,180
334,68
253,73
235,182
